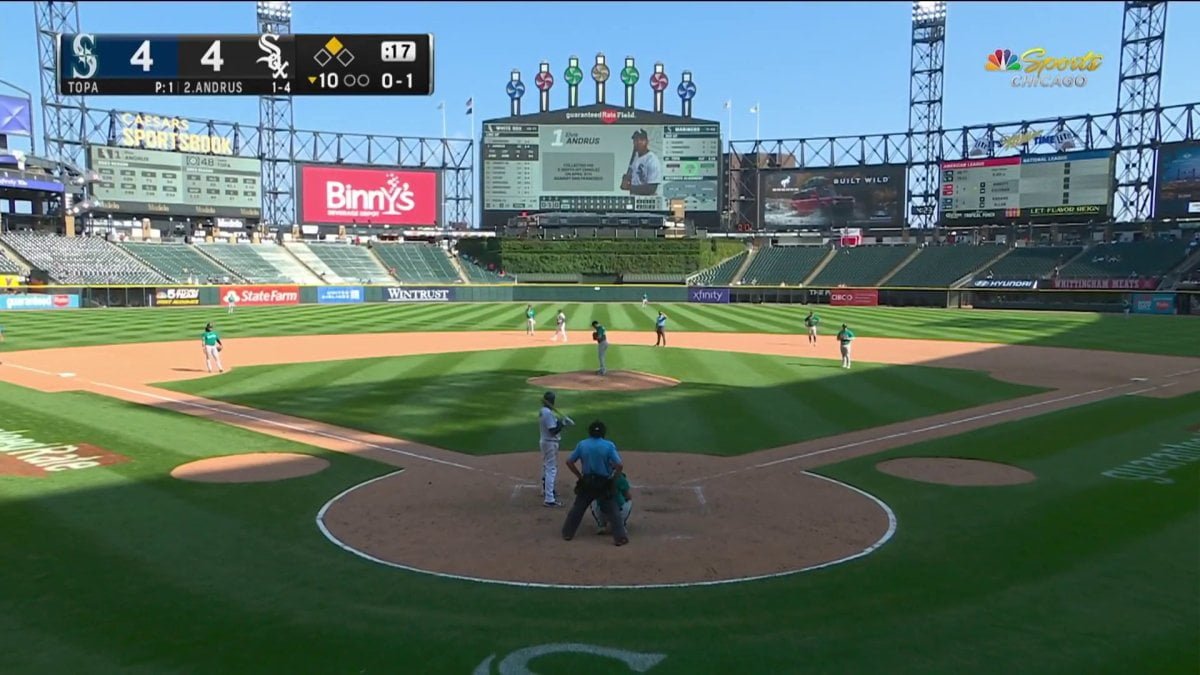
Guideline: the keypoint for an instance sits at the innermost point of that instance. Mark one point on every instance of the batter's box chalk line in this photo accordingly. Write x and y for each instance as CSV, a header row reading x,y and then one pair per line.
x,y
694,489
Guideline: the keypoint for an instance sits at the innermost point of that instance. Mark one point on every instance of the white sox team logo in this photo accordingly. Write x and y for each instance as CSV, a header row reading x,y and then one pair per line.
x,y
517,663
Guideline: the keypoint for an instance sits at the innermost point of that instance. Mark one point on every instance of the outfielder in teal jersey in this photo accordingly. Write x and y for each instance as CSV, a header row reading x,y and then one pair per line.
x,y
529,319
811,322
844,337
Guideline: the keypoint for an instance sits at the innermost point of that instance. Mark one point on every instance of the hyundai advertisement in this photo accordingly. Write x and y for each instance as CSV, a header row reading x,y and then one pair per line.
x,y
860,196
367,196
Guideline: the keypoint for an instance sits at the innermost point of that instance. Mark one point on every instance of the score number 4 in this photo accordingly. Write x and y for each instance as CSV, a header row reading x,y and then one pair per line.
x,y
212,57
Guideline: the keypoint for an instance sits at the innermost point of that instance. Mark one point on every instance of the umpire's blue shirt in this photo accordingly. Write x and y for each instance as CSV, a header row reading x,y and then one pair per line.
x,y
598,455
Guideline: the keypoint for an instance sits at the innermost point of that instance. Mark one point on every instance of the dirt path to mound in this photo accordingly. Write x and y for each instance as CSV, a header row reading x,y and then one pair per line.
x,y
701,519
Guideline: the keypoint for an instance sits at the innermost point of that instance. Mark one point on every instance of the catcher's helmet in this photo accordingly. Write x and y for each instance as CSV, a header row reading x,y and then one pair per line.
x,y
597,429
548,397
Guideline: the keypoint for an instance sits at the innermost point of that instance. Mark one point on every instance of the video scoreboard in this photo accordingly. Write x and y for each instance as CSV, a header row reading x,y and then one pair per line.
x,y
1030,188
266,64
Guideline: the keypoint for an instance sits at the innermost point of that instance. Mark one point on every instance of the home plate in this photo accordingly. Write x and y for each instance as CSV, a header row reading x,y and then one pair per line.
x,y
66,374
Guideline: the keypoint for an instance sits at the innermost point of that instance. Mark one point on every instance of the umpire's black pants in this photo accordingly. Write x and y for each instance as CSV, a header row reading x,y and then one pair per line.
x,y
595,488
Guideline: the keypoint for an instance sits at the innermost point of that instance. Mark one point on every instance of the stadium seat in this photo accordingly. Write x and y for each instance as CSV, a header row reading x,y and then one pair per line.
x,y
179,262
941,266
417,263
80,260
1146,258
352,263
1032,262
789,265
244,261
720,274
861,266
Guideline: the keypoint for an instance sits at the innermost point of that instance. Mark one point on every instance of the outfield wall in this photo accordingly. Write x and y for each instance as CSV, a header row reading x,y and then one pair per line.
x,y
1091,300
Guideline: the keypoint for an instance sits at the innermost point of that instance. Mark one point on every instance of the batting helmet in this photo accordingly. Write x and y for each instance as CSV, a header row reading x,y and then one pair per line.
x,y
548,397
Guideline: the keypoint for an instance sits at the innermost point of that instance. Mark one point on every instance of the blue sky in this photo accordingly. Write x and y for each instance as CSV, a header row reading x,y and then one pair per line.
x,y
817,69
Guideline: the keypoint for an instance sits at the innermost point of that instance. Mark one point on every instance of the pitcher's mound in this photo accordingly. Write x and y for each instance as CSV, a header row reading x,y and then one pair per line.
x,y
615,380
255,467
955,471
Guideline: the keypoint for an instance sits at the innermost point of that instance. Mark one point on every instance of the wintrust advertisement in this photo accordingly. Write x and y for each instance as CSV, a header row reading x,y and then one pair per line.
x,y
854,297
369,196
402,294
259,296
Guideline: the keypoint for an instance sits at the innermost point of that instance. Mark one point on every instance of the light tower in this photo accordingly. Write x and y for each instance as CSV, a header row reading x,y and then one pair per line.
x,y
62,116
1142,41
925,111
276,131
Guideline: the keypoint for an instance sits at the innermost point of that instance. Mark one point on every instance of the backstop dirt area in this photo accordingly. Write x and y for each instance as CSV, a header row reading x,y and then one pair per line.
x,y
696,519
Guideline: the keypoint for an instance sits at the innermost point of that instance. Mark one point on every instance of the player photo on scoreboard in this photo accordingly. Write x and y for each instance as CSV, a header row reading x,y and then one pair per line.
x,y
604,159
841,197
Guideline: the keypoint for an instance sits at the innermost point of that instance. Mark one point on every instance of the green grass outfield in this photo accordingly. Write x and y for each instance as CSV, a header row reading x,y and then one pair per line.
x,y
122,569
1148,334
726,403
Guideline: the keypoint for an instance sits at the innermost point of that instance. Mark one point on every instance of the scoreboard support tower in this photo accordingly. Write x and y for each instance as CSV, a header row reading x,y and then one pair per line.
x,y
277,129
1143,34
925,112
62,114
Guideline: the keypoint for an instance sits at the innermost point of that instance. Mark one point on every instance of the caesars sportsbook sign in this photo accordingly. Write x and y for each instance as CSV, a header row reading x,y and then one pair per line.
x,y
334,194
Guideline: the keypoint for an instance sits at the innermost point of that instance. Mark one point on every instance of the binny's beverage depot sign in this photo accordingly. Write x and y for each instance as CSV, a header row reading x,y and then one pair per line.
x,y
23,455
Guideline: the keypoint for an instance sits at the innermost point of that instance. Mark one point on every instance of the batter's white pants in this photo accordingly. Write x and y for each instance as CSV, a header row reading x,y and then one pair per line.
x,y
601,351
602,522
549,470
845,354
211,354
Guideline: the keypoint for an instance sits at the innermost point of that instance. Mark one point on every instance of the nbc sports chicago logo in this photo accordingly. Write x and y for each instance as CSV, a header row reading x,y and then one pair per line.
x,y
1035,68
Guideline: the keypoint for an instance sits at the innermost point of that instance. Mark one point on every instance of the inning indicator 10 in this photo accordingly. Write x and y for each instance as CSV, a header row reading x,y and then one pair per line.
x,y
266,64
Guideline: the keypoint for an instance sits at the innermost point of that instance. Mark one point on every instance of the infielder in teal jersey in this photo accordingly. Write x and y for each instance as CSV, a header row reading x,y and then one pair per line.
x,y
844,337
811,322
212,348
529,319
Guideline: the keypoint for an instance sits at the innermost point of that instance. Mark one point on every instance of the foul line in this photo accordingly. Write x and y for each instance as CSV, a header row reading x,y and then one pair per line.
x,y
910,432
293,427
887,536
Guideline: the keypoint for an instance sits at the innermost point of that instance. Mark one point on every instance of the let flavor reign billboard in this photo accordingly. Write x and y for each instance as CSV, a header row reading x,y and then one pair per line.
x,y
340,194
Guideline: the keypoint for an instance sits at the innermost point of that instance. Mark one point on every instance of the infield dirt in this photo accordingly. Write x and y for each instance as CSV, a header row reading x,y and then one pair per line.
x,y
696,518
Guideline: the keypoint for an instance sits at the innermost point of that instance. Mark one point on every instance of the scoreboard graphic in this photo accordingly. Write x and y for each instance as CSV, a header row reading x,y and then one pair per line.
x,y
215,65
1060,187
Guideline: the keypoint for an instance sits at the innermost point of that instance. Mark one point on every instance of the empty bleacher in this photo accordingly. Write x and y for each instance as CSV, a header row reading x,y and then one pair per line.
x,y
1033,262
8,266
478,274
941,266
861,266
789,265
244,261
80,260
720,274
1147,258
304,254
178,262
417,263
351,263
285,262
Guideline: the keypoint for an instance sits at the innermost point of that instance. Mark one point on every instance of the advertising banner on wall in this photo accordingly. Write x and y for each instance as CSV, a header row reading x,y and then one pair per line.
x,y
1005,283
38,301
339,194
1106,284
340,295
259,296
854,297
403,294
1177,193
175,297
1153,303
709,295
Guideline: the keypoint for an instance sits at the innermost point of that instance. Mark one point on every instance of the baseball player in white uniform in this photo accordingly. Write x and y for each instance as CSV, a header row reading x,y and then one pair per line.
x,y
550,426
561,321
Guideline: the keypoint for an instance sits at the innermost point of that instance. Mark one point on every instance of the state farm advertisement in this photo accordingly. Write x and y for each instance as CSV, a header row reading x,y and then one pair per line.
x,y
369,196
854,297
259,296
